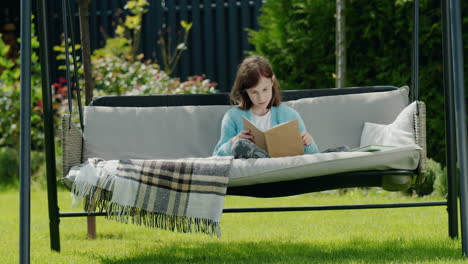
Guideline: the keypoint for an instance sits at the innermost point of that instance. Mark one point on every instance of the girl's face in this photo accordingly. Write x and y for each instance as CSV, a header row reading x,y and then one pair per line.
x,y
260,95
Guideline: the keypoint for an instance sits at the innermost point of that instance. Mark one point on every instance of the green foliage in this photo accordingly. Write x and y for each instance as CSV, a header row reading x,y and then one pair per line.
x,y
10,98
131,28
434,183
441,184
115,47
61,55
10,109
9,160
298,37
9,167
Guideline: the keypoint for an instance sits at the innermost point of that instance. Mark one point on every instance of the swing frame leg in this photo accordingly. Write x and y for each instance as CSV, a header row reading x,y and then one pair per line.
x,y
450,137
454,86
45,57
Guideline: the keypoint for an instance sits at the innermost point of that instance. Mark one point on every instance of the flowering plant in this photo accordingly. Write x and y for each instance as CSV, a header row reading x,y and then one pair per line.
x,y
10,97
119,76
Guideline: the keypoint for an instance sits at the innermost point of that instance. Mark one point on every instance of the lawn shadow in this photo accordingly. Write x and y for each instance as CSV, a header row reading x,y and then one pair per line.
x,y
359,250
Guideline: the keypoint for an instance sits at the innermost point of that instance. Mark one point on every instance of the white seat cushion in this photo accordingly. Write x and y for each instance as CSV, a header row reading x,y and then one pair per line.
x,y
256,171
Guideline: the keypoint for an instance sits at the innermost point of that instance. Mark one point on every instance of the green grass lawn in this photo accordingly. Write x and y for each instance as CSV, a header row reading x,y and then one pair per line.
x,y
407,235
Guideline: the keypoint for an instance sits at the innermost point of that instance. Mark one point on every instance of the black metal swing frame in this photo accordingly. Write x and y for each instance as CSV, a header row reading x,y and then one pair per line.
x,y
454,113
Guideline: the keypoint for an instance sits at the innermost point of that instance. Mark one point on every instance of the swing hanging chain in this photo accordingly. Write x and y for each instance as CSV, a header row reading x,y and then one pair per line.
x,y
75,65
67,61
415,55
67,21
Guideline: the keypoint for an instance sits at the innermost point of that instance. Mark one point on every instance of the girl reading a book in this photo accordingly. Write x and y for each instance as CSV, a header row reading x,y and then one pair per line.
x,y
257,95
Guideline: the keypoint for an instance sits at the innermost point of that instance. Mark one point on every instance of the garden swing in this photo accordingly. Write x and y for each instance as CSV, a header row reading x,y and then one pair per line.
x,y
117,128
363,112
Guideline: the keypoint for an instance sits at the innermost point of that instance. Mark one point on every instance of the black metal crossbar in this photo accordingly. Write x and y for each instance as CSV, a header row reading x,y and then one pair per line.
x,y
296,208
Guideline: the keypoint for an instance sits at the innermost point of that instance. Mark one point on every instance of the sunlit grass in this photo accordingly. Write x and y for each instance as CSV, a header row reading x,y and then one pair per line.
x,y
406,235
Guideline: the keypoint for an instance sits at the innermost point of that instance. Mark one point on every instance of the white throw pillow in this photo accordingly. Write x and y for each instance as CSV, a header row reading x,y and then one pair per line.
x,y
399,133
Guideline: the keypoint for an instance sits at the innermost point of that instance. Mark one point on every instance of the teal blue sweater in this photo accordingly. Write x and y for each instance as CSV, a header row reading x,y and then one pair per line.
x,y
232,125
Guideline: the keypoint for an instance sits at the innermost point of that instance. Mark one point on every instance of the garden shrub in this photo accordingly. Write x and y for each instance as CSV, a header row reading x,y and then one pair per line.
x,y
298,37
121,76
9,166
10,98
441,184
10,109
9,161
434,183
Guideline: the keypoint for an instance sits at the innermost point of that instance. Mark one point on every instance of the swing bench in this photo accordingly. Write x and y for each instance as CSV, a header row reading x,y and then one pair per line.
x,y
180,126
183,126
168,129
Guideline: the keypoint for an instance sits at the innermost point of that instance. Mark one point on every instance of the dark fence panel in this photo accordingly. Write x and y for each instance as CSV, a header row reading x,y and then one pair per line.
x,y
216,45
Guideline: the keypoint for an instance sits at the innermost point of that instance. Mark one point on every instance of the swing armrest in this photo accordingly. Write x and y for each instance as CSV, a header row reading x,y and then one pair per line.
x,y
72,145
420,133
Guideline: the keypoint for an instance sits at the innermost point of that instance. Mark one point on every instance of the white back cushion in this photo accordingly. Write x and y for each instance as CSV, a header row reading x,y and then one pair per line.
x,y
193,131
338,120
151,132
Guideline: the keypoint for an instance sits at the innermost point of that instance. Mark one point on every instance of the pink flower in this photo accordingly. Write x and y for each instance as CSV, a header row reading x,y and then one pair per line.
x,y
157,76
138,87
199,78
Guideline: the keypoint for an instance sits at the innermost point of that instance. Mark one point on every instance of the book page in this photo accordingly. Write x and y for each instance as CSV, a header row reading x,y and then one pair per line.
x,y
284,140
259,137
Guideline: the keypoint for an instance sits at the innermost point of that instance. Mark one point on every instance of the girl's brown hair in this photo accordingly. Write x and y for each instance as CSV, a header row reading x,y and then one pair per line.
x,y
251,70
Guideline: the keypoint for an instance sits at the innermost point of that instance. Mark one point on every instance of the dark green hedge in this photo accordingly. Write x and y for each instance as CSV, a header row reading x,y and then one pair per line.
x,y
298,37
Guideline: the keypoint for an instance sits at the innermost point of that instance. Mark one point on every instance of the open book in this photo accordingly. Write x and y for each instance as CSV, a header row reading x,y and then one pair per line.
x,y
372,148
279,141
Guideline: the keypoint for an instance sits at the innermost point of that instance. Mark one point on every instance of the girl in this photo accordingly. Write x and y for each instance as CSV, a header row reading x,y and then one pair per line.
x,y
257,95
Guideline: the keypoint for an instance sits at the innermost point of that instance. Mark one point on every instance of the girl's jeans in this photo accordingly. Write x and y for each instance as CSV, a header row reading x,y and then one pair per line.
x,y
246,149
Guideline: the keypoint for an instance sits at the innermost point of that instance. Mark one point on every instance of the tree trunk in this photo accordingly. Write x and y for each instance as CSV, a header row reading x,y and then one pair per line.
x,y
86,49
340,44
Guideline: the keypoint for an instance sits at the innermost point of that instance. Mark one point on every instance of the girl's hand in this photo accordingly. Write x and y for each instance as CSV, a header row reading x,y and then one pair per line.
x,y
306,138
244,134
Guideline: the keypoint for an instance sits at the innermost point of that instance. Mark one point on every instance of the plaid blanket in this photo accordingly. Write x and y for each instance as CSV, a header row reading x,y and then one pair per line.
x,y
184,195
